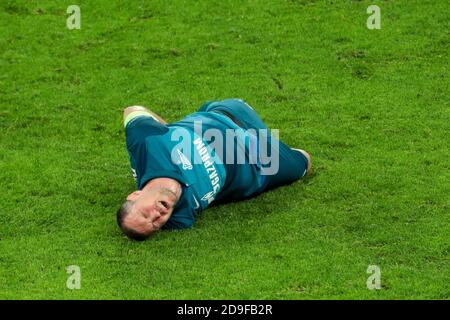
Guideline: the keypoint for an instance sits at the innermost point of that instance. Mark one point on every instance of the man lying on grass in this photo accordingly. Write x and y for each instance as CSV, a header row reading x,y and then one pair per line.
x,y
223,152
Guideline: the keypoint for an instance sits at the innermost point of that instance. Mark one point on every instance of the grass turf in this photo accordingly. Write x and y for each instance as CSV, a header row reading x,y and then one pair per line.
x,y
372,107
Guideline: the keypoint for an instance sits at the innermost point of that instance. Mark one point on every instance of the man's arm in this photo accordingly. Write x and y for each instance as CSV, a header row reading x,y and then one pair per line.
x,y
127,111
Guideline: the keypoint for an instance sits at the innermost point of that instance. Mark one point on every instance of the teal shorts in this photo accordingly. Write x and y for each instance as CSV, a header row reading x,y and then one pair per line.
x,y
292,163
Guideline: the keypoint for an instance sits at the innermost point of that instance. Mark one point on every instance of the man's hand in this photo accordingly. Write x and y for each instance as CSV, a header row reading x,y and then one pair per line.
x,y
128,110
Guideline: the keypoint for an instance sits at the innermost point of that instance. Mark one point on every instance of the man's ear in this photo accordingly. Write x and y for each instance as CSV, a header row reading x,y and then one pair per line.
x,y
133,196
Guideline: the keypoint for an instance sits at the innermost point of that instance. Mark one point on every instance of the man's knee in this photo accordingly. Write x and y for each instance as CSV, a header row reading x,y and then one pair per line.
x,y
245,103
129,110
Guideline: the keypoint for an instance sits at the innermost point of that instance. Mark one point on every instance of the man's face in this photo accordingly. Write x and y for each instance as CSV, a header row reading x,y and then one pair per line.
x,y
151,209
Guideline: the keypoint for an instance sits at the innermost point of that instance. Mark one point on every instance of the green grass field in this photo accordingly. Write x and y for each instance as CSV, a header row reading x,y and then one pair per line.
x,y
371,106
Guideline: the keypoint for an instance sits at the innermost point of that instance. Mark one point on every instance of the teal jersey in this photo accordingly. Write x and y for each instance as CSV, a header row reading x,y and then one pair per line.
x,y
179,151
238,151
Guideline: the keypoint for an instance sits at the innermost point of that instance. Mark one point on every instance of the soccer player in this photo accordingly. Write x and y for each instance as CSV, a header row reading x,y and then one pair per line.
x,y
219,153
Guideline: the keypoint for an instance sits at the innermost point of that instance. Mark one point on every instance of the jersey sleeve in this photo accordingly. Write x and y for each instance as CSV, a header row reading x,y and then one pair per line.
x,y
180,220
183,216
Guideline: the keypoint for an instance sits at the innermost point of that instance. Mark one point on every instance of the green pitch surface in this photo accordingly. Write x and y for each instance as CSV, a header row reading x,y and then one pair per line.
x,y
371,106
